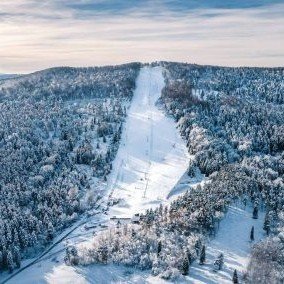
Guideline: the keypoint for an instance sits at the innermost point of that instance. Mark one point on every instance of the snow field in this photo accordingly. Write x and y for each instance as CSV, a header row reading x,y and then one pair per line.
x,y
233,240
152,156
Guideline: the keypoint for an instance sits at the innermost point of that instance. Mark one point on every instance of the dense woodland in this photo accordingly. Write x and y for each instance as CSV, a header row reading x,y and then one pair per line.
x,y
233,122
60,129
53,124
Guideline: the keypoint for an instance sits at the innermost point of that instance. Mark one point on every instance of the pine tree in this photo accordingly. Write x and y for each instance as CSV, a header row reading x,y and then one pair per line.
x,y
185,266
266,225
197,246
219,262
50,232
159,248
252,234
118,224
17,256
103,254
255,213
10,262
191,170
189,256
235,277
202,256
75,258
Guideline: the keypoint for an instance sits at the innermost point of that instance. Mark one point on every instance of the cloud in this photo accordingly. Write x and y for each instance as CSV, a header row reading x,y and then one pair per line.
x,y
39,34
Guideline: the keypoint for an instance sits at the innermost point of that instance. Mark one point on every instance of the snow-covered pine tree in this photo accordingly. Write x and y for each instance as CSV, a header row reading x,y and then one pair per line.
x,y
202,256
189,256
219,262
235,277
266,225
10,261
252,234
255,213
185,265
159,248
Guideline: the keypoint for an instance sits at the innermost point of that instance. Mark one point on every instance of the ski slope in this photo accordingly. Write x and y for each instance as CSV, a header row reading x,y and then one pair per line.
x,y
152,156
150,163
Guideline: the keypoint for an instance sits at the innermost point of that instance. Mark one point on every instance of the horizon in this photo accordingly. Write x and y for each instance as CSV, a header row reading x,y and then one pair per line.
x,y
85,33
143,63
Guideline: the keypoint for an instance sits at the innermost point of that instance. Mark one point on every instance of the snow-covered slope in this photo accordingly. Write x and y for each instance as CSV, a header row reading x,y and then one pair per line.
x,y
152,156
233,240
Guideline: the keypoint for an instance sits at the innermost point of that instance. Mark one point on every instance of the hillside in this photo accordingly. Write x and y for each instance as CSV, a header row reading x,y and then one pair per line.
x,y
194,146
59,130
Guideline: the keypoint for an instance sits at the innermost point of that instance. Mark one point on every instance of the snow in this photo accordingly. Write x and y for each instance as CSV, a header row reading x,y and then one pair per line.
x,y
152,157
151,160
149,169
233,240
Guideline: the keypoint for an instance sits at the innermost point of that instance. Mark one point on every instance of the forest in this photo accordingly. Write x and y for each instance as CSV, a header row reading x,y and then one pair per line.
x,y
232,120
59,129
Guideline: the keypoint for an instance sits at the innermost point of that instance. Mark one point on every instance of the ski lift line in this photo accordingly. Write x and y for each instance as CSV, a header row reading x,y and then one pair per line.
x,y
151,142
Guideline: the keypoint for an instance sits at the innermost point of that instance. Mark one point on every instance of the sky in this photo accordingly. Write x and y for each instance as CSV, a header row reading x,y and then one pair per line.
x,y
38,34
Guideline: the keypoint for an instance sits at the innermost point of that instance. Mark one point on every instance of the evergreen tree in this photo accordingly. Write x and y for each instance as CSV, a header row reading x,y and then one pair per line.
x,y
50,232
185,266
159,248
252,234
189,256
255,213
17,257
219,262
191,169
235,277
71,256
10,262
202,256
266,225
103,254
198,246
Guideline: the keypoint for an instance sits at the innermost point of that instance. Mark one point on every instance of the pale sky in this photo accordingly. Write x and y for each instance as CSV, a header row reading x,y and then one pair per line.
x,y
37,34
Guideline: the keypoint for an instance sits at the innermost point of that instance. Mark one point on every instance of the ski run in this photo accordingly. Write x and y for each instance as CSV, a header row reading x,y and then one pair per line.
x,y
149,169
